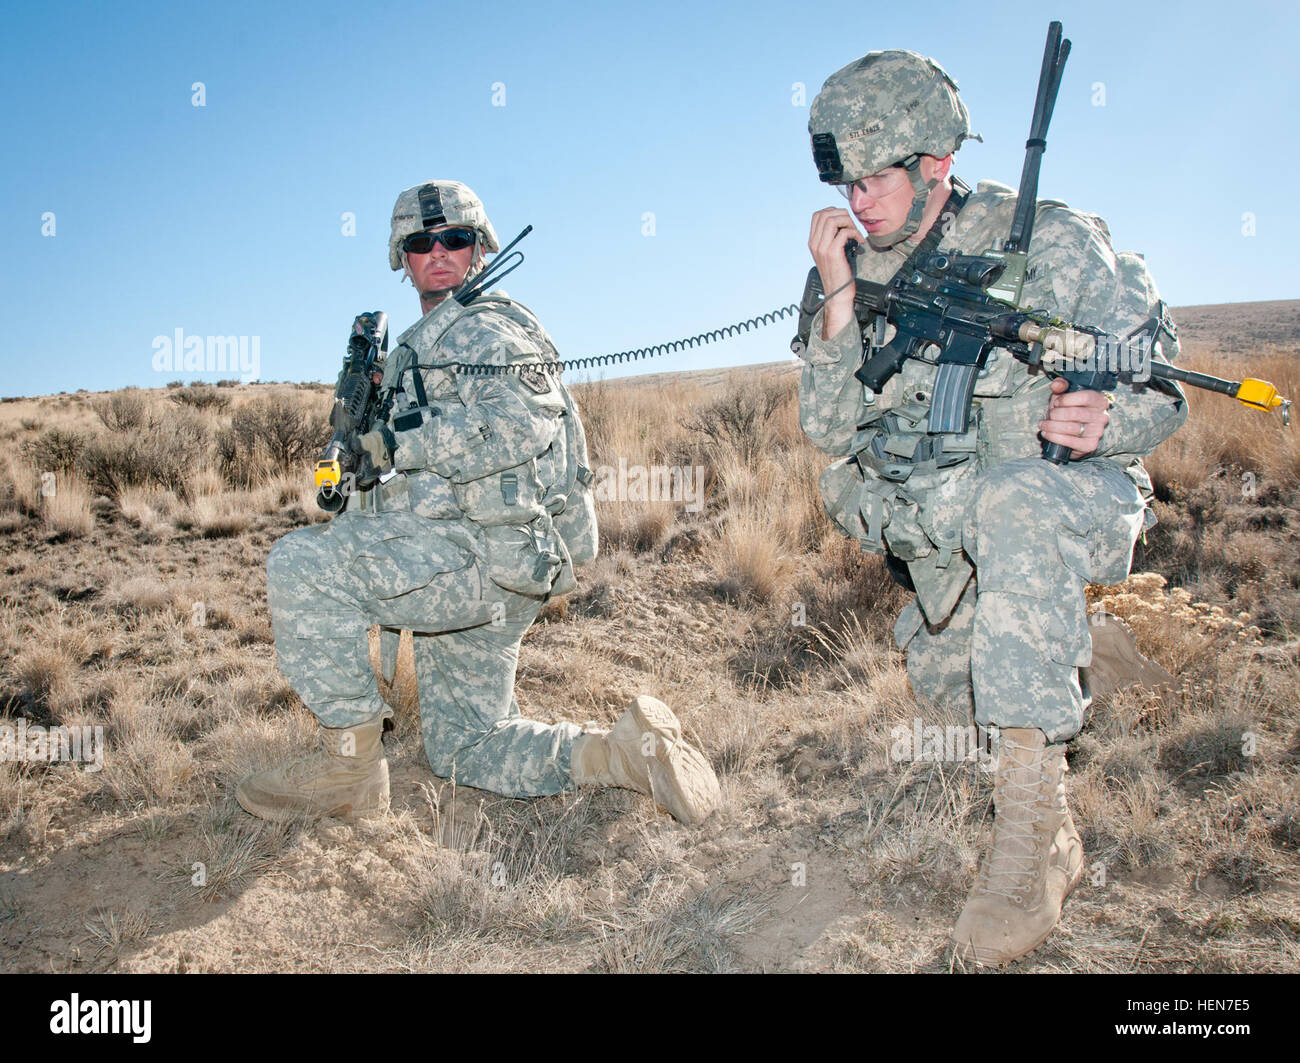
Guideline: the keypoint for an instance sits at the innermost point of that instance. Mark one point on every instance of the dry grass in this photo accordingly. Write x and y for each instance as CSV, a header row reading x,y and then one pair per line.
x,y
1230,435
754,561
19,487
65,507
114,930
148,508
218,516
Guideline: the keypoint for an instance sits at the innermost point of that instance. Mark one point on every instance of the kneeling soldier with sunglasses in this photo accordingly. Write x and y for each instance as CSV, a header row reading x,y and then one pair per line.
x,y
477,526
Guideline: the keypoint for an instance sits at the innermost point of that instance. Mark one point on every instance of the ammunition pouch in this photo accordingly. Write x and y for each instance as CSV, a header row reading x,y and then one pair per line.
x,y
512,496
527,558
903,493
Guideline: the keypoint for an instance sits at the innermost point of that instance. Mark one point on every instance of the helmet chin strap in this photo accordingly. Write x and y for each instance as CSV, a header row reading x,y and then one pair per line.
x,y
920,194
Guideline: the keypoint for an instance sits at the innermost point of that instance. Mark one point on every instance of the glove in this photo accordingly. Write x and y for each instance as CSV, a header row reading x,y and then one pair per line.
x,y
373,453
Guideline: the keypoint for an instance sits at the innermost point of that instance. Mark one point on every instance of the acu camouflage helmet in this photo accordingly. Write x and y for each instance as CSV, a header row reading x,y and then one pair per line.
x,y
887,109
435,203
879,110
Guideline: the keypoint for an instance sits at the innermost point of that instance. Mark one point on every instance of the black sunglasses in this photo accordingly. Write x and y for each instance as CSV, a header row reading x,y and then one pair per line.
x,y
456,239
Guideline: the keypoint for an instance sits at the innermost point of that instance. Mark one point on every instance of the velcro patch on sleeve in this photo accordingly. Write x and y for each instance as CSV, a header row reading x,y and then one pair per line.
x,y
535,380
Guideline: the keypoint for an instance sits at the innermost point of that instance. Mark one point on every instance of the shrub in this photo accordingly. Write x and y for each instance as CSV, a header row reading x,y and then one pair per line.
x,y
741,415
278,426
200,397
166,456
124,411
55,448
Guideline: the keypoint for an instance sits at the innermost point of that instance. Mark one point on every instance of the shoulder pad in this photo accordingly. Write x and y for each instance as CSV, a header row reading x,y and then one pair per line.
x,y
496,329
993,186
511,309
1100,223
498,297
1068,215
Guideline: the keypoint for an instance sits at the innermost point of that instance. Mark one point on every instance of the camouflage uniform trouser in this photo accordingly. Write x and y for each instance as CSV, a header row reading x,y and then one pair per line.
x,y
1011,650
328,584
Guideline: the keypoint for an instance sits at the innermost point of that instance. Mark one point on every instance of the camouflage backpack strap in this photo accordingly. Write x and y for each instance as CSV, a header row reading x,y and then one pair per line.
x,y
575,470
425,334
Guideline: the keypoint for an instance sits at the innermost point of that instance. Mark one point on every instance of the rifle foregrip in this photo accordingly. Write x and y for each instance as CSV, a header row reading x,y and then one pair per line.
x,y
1098,380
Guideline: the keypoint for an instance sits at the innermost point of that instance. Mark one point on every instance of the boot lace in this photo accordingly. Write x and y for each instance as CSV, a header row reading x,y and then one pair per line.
x,y
1011,870
306,766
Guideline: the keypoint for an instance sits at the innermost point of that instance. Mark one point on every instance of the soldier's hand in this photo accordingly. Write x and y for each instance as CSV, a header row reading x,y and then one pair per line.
x,y
373,453
1075,419
832,228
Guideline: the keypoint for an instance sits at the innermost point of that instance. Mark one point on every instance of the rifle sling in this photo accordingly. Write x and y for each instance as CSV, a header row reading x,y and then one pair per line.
x,y
957,197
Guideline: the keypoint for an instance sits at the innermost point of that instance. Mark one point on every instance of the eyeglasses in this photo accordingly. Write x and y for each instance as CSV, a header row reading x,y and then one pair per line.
x,y
455,239
877,185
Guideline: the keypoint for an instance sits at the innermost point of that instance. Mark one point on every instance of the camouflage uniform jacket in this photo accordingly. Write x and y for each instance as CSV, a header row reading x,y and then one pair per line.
x,y
490,450
1074,274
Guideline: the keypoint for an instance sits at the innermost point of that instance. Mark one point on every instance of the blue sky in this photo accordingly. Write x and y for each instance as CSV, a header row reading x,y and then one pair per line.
x,y
227,219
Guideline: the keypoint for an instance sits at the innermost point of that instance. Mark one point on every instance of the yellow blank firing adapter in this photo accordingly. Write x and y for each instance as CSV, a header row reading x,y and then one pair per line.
x,y
328,474
1263,396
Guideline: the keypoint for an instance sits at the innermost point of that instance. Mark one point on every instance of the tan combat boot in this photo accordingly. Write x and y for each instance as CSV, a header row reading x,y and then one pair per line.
x,y
1036,858
347,776
646,752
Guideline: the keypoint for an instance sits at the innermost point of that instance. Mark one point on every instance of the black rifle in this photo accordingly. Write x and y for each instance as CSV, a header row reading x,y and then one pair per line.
x,y
356,399
953,310
945,301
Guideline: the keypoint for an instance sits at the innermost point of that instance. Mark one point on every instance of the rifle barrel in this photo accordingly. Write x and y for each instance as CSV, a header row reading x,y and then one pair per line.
x,y
1196,380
